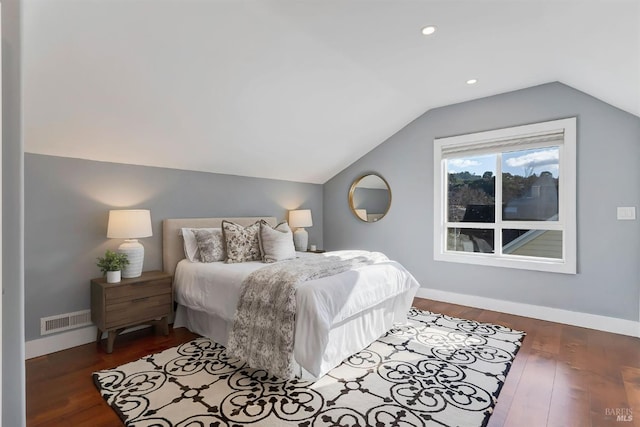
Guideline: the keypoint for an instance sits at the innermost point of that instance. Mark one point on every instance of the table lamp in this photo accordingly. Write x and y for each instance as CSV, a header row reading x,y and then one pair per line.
x,y
299,219
130,224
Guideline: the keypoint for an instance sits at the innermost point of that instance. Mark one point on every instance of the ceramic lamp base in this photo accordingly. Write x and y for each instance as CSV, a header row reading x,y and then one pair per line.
x,y
135,254
301,239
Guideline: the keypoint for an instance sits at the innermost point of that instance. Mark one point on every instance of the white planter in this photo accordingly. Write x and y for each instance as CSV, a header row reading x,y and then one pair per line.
x,y
113,276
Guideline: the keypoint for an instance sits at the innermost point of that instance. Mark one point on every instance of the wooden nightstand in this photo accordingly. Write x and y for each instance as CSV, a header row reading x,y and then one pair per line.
x,y
147,299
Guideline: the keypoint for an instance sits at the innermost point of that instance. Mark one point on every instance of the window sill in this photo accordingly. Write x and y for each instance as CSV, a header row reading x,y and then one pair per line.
x,y
522,263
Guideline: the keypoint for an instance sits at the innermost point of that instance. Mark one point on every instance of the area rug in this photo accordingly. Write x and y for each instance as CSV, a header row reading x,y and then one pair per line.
x,y
434,371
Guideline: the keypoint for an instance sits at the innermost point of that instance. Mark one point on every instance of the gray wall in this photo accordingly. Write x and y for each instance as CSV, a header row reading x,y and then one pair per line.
x,y
608,150
66,210
13,380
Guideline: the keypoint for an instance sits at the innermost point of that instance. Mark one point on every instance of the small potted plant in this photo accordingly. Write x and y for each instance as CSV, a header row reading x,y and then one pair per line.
x,y
112,264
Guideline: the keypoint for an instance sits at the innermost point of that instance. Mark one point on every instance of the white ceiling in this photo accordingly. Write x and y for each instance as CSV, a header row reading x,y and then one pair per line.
x,y
295,89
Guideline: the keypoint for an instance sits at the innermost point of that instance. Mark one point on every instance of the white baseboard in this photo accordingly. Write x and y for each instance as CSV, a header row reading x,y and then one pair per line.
x,y
584,320
65,340
76,337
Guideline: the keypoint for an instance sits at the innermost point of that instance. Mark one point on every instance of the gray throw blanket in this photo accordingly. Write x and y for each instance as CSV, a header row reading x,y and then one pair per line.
x,y
263,328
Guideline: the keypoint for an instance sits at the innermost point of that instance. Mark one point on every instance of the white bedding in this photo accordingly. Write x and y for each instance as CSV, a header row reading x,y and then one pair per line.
x,y
322,304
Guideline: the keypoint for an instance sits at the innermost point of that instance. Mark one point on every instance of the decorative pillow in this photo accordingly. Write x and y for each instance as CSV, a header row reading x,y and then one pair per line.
x,y
210,245
241,243
276,244
191,251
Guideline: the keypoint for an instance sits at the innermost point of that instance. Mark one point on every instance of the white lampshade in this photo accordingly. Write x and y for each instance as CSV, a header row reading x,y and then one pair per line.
x,y
130,224
300,218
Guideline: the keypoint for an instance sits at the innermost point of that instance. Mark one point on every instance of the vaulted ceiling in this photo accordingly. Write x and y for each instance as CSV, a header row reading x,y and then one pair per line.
x,y
296,89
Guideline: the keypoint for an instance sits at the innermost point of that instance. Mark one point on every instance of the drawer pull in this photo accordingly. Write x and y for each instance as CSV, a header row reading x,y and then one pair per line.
x,y
139,299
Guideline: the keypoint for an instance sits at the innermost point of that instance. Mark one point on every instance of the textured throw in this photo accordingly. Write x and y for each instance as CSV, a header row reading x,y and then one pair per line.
x,y
436,371
263,328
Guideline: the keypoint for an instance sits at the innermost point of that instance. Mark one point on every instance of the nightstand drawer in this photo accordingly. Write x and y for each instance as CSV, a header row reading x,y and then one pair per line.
x,y
137,310
137,290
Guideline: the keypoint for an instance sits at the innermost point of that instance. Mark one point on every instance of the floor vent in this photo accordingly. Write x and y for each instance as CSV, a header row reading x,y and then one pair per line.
x,y
64,322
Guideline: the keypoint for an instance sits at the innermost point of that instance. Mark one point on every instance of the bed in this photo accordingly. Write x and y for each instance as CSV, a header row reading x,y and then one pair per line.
x,y
337,316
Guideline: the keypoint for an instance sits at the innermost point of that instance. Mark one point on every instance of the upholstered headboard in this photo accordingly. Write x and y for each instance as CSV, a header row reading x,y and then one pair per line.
x,y
172,244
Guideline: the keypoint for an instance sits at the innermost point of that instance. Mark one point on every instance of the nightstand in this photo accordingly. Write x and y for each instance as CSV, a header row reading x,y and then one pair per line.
x,y
147,299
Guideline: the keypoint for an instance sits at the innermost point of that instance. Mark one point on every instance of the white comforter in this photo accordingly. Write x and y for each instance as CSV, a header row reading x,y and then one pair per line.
x,y
321,304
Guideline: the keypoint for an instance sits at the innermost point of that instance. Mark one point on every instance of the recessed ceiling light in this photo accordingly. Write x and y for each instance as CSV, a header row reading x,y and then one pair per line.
x,y
472,81
427,31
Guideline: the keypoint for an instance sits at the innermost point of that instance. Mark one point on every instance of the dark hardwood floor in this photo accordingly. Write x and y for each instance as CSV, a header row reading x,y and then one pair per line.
x,y
563,375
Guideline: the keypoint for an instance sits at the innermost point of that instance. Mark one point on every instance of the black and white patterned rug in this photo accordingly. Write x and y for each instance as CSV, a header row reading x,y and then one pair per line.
x,y
435,371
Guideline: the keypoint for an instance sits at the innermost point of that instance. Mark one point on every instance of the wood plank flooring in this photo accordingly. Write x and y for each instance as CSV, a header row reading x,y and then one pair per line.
x,y
563,375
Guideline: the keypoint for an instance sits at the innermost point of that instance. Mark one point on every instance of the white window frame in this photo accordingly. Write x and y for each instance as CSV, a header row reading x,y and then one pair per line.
x,y
477,143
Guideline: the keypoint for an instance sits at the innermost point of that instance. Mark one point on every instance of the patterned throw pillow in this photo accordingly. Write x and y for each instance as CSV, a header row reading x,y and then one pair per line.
x,y
210,245
241,242
276,243
191,251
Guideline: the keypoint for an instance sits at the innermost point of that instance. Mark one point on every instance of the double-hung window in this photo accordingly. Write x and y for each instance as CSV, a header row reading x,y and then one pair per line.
x,y
507,197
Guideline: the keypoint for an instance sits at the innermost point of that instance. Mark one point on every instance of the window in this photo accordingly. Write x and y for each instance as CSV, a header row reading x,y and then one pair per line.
x,y
507,197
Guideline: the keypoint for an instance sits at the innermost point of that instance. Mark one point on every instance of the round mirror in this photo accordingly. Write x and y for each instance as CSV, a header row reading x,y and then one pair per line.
x,y
370,197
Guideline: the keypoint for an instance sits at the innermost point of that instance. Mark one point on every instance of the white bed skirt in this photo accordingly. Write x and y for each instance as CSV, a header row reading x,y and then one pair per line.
x,y
345,338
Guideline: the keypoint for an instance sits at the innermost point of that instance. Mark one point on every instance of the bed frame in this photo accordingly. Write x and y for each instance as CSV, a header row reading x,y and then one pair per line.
x,y
381,317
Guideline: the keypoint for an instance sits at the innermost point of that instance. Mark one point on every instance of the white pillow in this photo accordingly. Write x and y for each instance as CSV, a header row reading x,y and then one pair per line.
x,y
191,251
276,244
